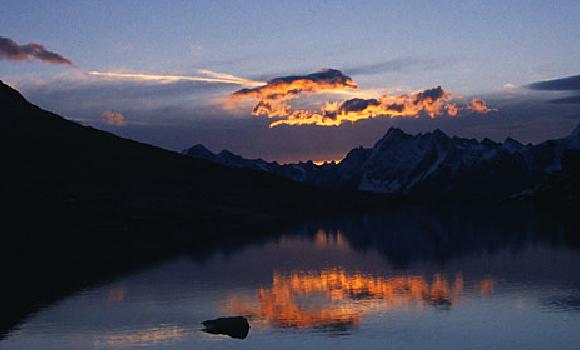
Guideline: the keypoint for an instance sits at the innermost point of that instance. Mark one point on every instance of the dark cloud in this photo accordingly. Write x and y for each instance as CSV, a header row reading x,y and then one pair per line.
x,y
395,65
292,85
329,76
564,84
397,107
434,94
571,83
10,50
358,104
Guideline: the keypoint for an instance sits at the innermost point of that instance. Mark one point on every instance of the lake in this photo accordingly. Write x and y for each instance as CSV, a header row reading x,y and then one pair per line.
x,y
412,278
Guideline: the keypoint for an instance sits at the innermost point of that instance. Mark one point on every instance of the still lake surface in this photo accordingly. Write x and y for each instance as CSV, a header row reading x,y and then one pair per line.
x,y
430,278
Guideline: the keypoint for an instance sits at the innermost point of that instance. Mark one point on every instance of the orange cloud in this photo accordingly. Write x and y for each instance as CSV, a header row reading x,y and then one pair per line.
x,y
479,106
432,102
113,118
272,101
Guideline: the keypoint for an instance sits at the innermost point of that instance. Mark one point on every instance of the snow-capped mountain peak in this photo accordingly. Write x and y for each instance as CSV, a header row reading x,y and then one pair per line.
x,y
431,163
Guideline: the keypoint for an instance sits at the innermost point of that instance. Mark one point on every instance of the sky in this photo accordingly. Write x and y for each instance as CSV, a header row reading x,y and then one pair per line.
x,y
519,58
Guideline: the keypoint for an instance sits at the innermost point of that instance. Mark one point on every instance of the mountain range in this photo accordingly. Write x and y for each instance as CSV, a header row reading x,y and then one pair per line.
x,y
429,165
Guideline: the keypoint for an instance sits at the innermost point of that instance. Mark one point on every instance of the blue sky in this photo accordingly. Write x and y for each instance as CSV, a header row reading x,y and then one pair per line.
x,y
468,47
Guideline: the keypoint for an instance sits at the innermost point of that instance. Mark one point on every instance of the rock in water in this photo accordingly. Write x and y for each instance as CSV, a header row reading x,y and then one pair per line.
x,y
236,327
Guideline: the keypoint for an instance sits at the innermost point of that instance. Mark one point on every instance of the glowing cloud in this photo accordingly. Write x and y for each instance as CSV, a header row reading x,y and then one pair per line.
x,y
479,106
272,95
211,77
272,101
10,50
113,118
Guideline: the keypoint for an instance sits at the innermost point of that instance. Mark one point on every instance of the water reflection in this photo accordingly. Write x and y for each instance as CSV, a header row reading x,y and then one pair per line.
x,y
562,303
327,237
333,297
139,338
417,278
440,234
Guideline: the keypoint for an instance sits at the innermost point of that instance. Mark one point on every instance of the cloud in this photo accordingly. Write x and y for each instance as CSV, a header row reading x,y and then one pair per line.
x,y
272,101
431,102
478,106
571,83
113,118
293,85
509,87
272,95
358,104
210,77
10,50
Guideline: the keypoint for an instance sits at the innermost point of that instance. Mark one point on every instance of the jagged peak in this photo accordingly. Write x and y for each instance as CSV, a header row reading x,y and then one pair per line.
x,y
199,147
392,134
488,142
228,153
199,151
395,131
356,152
512,141
439,132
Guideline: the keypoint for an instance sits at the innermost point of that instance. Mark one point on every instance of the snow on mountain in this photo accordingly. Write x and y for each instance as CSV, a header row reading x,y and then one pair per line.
x,y
432,164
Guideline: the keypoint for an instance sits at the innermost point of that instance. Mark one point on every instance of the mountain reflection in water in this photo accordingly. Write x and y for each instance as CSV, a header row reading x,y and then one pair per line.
x,y
414,278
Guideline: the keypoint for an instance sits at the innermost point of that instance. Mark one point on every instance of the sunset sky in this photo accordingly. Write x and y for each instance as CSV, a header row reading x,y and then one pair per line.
x,y
173,73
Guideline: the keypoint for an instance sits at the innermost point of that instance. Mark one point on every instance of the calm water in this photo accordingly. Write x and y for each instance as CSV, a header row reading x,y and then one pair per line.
x,y
414,279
